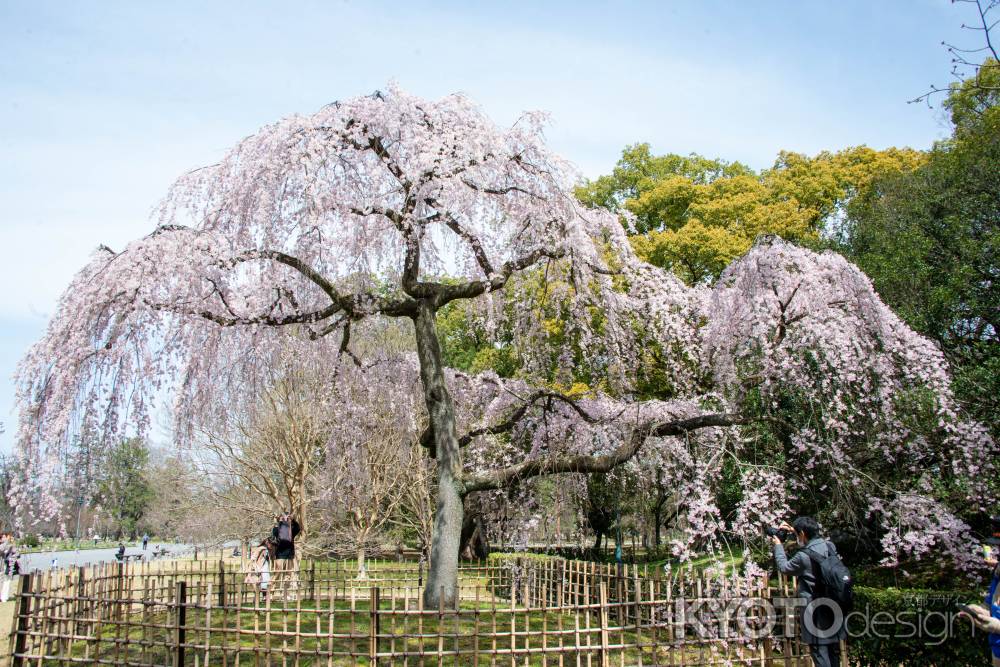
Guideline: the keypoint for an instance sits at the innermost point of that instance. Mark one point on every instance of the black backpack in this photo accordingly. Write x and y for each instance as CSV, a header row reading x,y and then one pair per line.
x,y
284,531
833,579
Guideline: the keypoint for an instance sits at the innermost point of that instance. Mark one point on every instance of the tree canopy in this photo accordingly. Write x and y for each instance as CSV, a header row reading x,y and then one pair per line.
x,y
695,215
930,238
788,373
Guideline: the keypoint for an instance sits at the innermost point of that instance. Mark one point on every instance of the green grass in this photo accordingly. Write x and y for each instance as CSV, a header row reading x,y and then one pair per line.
x,y
731,560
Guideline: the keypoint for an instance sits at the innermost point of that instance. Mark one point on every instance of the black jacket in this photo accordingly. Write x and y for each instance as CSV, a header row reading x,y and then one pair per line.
x,y
285,549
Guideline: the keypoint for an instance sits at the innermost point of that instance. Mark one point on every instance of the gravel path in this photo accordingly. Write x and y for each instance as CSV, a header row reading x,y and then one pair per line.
x,y
43,559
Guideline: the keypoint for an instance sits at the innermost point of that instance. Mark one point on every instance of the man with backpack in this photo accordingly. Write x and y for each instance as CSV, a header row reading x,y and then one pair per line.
x,y
285,530
283,535
821,577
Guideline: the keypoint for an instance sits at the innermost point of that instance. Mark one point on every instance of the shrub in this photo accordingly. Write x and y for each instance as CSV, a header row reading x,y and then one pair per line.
x,y
920,628
31,541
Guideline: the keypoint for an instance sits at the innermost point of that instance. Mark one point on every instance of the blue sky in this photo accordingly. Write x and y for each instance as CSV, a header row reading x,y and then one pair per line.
x,y
103,104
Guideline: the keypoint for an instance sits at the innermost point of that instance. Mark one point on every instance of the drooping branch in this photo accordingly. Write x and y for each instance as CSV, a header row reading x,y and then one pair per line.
x,y
355,305
515,417
232,321
581,463
474,243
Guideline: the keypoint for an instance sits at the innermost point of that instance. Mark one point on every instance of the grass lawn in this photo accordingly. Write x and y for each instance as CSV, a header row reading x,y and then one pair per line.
x,y
731,559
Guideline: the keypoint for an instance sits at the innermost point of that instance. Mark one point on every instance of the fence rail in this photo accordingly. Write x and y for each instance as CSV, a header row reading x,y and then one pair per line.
x,y
522,612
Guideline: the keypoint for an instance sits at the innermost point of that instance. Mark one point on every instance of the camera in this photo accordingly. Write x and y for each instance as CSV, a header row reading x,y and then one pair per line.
x,y
780,533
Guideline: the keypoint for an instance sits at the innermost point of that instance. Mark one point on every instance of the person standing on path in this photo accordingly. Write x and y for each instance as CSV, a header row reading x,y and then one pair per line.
x,y
145,541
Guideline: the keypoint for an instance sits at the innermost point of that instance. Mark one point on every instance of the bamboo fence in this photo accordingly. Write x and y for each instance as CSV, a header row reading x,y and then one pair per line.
x,y
519,612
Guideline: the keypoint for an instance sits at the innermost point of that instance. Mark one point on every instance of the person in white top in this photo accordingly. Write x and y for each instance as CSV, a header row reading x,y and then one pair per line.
x,y
259,570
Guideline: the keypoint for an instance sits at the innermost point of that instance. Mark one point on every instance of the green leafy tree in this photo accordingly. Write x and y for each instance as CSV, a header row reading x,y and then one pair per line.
x,y
930,241
695,215
123,489
610,497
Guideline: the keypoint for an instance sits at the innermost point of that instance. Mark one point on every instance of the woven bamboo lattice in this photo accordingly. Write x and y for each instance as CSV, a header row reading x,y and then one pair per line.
x,y
521,612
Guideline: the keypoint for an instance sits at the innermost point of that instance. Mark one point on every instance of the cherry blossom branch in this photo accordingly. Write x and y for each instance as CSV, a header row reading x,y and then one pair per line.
x,y
454,225
516,416
598,464
230,321
473,288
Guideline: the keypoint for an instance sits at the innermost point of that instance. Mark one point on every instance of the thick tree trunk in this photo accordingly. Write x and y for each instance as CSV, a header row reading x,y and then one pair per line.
x,y
442,576
362,572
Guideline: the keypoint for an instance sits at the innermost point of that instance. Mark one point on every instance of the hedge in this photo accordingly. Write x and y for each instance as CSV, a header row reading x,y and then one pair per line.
x,y
928,631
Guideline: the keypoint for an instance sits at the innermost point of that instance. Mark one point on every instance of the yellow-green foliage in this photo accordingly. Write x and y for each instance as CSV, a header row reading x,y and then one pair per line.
x,y
695,216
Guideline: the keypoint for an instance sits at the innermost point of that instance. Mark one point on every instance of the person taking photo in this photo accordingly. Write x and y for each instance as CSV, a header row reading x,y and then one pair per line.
x,y
816,622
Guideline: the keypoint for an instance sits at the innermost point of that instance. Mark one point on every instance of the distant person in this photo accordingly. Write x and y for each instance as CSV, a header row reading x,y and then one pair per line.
x,y
6,545
283,535
259,569
11,558
120,554
145,541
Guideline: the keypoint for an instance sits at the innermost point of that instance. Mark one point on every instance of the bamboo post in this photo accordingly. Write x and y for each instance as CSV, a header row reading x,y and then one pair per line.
x,y
373,626
119,591
208,620
222,583
637,618
440,625
475,632
603,593
180,600
20,637
80,605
